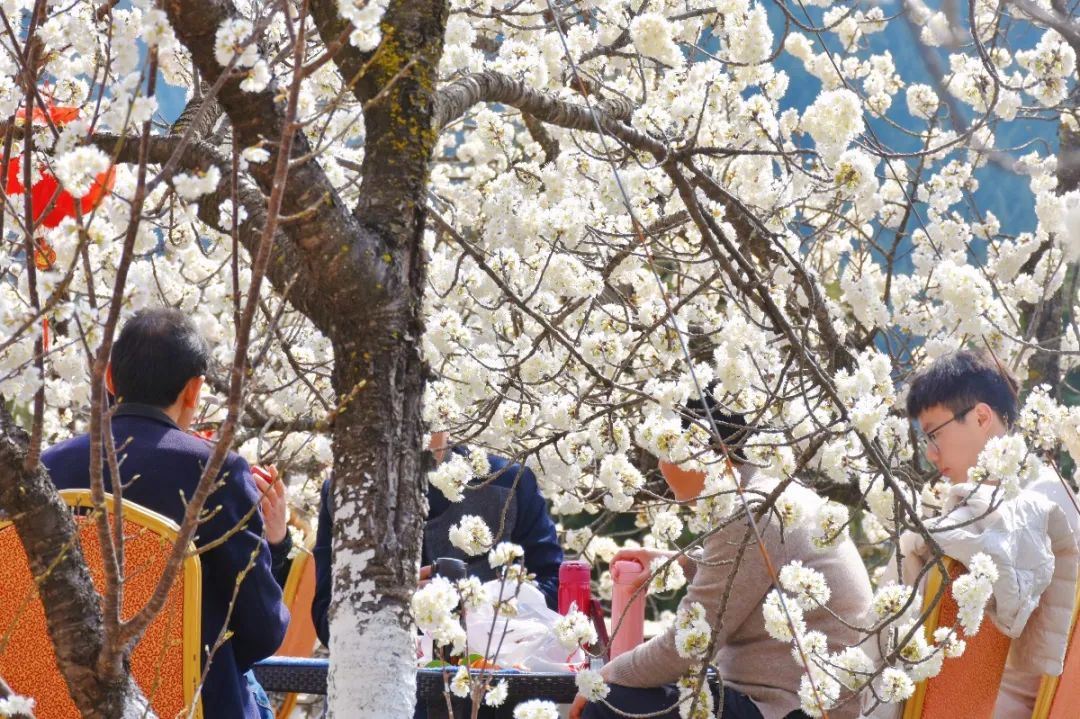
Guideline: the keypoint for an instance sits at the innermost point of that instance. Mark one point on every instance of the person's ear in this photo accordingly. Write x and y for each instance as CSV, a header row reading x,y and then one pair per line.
x,y
984,414
438,445
109,380
191,392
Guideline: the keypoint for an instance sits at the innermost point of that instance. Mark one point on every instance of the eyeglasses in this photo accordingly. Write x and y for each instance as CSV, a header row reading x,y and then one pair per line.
x,y
929,435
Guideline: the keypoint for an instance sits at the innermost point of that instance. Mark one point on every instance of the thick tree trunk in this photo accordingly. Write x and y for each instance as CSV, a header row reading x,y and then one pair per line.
x,y
379,492
380,509
72,605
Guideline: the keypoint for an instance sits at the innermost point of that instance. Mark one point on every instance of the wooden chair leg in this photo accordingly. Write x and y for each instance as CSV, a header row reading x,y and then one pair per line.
x,y
287,705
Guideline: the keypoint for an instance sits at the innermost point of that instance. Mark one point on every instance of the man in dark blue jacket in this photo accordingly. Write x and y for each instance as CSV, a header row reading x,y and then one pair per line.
x,y
157,370
525,521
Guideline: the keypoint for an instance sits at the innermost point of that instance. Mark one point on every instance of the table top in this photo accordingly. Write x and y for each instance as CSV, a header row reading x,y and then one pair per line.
x,y
308,676
558,687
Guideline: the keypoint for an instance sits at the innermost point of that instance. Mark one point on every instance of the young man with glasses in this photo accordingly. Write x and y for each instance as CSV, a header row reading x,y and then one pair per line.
x,y
961,401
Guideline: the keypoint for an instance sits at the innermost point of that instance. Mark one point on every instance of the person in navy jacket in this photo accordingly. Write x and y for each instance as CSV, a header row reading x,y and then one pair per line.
x,y
509,486
157,371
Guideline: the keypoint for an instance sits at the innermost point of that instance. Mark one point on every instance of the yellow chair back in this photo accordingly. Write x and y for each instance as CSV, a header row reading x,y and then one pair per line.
x,y
166,661
300,638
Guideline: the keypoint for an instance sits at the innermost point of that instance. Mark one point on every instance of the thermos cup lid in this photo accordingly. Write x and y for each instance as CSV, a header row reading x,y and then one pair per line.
x,y
574,570
626,571
450,568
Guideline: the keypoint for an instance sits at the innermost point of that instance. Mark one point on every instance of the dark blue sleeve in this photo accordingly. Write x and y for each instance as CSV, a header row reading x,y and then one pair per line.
x,y
63,463
535,532
320,605
259,618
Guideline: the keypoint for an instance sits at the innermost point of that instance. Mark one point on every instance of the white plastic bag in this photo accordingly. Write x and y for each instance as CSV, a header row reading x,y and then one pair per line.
x,y
524,641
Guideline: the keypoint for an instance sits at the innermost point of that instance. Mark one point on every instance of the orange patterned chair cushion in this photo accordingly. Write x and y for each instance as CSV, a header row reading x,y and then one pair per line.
x,y
967,686
27,661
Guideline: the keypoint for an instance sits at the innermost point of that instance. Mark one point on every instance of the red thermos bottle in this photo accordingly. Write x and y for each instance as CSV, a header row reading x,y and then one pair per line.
x,y
574,575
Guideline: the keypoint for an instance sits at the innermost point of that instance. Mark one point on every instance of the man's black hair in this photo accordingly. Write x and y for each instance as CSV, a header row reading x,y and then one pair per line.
x,y
732,427
960,380
159,350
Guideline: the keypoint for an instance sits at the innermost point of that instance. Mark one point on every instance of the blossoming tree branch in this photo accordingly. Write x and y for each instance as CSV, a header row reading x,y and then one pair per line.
x,y
543,227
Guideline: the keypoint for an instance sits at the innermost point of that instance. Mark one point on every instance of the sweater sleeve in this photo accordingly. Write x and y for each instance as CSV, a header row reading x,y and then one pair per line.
x,y
657,662
320,605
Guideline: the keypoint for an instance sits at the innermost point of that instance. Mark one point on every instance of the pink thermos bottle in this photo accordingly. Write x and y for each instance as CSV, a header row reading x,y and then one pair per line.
x,y
627,617
574,586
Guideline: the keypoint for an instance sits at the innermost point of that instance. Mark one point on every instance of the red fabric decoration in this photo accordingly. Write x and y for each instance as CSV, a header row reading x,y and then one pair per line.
x,y
42,193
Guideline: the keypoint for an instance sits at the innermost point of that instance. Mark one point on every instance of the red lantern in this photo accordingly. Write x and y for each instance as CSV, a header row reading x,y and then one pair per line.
x,y
59,115
42,193
44,255
47,190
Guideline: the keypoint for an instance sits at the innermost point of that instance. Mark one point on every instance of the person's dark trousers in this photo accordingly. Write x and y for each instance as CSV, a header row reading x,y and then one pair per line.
x,y
649,701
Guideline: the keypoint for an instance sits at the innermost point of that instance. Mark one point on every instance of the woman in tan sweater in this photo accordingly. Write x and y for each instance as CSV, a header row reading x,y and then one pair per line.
x,y
760,676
